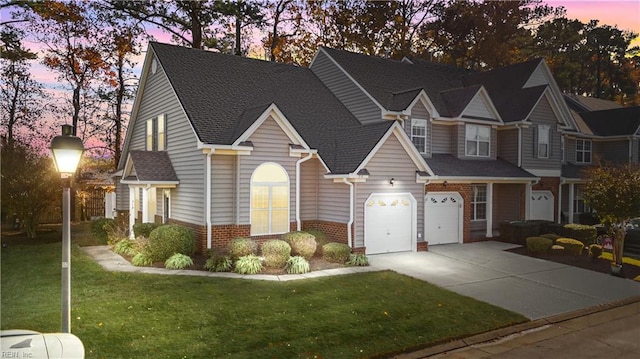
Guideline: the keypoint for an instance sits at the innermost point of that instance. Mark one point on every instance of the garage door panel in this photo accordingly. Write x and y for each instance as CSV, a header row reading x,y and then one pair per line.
x,y
443,213
541,205
388,223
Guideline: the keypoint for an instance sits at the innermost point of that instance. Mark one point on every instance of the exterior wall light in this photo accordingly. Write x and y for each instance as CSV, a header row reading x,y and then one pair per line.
x,y
392,181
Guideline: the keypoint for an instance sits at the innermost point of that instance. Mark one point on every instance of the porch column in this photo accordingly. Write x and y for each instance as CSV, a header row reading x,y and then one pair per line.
x,y
132,211
489,233
571,209
527,201
559,219
145,205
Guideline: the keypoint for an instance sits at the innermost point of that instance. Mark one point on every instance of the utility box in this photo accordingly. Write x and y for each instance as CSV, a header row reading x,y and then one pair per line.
x,y
30,344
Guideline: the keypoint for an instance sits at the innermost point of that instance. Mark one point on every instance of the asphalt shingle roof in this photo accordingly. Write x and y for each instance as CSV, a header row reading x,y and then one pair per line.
x,y
223,95
616,122
450,166
153,166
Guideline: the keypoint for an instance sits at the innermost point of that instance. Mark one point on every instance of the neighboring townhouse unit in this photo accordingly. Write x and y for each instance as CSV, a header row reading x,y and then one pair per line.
x,y
383,155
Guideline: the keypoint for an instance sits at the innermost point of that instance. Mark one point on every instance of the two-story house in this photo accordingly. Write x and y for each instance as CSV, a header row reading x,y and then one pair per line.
x,y
383,155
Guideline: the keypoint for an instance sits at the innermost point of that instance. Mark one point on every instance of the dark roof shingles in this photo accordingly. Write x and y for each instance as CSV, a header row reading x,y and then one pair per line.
x,y
153,166
450,166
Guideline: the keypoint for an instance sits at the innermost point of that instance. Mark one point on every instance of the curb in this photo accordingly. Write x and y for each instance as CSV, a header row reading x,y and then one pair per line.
x,y
497,334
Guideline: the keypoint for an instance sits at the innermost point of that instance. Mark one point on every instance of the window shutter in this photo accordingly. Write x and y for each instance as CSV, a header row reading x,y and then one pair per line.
x,y
164,126
535,140
550,150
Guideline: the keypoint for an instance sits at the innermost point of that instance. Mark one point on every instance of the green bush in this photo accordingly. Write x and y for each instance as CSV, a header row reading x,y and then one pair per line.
x,y
539,245
218,263
551,236
100,229
276,253
336,252
297,265
302,243
358,259
141,259
583,233
249,264
118,230
144,229
557,249
125,247
571,246
169,239
242,246
178,261
321,239
595,251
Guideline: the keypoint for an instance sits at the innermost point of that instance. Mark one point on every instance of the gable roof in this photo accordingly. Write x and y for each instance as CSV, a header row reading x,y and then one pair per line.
x,y
222,96
623,121
445,165
150,167
585,103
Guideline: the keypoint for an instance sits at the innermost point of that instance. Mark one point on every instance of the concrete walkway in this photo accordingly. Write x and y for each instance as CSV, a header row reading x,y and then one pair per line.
x,y
532,287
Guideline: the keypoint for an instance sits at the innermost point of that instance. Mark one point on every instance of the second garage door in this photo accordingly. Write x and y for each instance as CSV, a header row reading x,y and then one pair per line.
x,y
542,205
388,223
443,214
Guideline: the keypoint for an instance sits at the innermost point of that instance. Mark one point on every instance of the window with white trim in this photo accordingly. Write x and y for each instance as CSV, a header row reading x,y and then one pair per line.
x,y
269,200
479,202
543,141
156,139
583,151
478,140
419,134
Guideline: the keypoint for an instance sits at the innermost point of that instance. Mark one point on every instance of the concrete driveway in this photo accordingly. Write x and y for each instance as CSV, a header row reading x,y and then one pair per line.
x,y
532,287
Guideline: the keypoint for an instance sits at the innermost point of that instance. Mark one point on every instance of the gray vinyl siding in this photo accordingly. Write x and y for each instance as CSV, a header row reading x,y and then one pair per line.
x,y
441,136
187,200
537,78
351,96
223,189
333,199
635,151
391,160
478,108
122,195
612,151
309,178
508,145
270,144
541,115
461,144
420,112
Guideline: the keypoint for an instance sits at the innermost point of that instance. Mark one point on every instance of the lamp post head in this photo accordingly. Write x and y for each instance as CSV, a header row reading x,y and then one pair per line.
x,y
67,150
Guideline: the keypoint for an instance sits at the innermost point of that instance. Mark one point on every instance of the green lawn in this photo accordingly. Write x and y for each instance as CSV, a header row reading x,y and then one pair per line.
x,y
120,315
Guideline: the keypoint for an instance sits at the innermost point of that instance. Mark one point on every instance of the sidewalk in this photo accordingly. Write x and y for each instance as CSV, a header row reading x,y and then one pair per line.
x,y
607,331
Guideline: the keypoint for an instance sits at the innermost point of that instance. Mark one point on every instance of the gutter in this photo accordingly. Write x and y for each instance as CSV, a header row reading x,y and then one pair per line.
x,y
351,193
298,163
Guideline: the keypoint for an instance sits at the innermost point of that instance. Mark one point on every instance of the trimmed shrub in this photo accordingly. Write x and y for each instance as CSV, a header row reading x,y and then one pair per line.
x,y
583,233
557,249
218,263
539,245
141,259
336,252
125,247
518,231
144,229
168,240
321,239
242,246
100,229
302,243
551,236
178,261
571,246
551,227
276,253
297,265
595,251
249,264
358,259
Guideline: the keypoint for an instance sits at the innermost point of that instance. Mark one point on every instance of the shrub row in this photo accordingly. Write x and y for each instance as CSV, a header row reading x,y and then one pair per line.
x,y
519,231
546,243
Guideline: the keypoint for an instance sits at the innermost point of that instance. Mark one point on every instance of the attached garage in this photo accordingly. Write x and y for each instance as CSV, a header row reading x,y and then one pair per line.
x,y
389,222
443,216
541,205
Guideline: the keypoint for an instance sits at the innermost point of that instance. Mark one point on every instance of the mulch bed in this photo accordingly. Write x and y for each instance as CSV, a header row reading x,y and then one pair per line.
x,y
583,261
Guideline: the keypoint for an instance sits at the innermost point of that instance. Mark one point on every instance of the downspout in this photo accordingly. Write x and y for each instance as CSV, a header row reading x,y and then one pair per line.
x,y
298,163
349,234
519,145
208,198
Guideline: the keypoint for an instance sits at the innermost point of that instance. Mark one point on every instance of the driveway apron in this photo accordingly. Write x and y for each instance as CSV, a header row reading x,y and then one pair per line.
x,y
532,287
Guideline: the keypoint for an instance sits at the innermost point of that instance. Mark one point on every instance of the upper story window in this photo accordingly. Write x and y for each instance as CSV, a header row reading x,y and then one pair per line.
x,y
479,202
419,134
543,141
478,140
269,200
156,139
583,151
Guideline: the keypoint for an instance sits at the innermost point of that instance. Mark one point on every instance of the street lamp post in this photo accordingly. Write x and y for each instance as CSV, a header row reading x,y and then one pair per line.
x,y
67,150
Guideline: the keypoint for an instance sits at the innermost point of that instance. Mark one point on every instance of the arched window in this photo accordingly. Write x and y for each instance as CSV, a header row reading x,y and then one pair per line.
x,y
269,200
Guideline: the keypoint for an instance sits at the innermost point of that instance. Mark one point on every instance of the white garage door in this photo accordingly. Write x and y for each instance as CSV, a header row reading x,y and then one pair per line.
x,y
443,215
388,222
542,205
